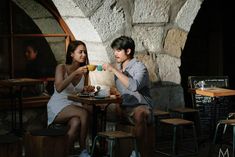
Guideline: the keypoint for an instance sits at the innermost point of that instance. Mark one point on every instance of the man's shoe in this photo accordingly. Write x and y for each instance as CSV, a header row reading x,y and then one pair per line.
x,y
133,154
84,153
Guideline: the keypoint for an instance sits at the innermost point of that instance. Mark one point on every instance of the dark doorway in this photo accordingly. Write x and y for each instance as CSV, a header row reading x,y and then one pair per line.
x,y
210,44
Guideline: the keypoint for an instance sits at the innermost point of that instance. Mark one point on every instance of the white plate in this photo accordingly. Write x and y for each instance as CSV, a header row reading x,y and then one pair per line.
x,y
99,97
83,95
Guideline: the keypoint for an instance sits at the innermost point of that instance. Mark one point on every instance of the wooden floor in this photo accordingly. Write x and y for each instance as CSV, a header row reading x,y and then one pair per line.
x,y
203,143
204,148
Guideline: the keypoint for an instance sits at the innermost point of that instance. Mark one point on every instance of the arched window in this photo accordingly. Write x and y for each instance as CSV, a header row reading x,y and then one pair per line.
x,y
18,30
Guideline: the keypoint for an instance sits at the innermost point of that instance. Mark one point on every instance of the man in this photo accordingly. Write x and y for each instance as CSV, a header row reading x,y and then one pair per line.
x,y
132,81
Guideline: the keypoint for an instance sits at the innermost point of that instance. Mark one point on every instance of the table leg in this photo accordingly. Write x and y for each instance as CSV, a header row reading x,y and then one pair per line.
x,y
13,110
213,116
94,122
20,112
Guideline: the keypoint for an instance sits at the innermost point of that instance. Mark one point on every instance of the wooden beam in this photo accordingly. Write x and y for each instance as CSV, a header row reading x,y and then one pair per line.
x,y
49,5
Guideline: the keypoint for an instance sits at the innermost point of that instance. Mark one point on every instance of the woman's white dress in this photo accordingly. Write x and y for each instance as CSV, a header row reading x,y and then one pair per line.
x,y
59,100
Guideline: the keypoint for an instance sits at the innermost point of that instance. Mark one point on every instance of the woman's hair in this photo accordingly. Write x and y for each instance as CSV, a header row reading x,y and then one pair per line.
x,y
71,48
32,44
124,43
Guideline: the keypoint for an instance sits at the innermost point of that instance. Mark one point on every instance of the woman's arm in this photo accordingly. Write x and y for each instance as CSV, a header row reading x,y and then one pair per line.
x,y
61,82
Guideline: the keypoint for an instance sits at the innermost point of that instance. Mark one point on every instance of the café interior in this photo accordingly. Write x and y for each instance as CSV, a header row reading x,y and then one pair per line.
x,y
189,56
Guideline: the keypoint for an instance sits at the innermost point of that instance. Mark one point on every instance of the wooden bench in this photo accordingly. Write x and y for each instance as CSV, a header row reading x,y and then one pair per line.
x,y
27,102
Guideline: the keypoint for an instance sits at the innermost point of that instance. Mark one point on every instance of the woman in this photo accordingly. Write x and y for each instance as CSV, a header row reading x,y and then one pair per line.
x,y
69,79
40,64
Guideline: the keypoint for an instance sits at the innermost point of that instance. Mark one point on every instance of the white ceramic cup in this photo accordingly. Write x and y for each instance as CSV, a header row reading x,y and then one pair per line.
x,y
104,91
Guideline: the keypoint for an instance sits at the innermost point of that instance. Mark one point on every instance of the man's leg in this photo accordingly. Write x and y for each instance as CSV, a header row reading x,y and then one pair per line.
x,y
141,115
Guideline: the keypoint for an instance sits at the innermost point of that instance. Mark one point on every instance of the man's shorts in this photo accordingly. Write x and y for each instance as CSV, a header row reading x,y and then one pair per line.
x,y
124,113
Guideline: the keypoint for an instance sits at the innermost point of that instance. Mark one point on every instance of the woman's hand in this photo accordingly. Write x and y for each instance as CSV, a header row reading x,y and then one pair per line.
x,y
79,72
82,70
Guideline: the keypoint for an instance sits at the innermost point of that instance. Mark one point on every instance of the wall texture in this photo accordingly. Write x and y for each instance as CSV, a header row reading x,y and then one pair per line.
x,y
159,28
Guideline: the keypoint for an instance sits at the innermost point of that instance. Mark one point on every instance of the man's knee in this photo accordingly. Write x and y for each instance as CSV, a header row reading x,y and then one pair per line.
x,y
143,114
140,116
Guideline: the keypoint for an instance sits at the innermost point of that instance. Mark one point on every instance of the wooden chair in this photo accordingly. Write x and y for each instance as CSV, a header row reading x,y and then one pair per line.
x,y
176,123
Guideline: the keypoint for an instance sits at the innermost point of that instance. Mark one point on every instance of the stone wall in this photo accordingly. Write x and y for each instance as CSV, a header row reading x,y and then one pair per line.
x,y
159,28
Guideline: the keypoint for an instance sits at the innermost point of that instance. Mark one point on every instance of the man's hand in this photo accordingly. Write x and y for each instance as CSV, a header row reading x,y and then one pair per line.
x,y
107,67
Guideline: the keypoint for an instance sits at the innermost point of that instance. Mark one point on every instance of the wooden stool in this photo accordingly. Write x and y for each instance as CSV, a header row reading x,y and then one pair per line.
x,y
46,143
10,146
125,147
175,123
113,136
159,114
183,112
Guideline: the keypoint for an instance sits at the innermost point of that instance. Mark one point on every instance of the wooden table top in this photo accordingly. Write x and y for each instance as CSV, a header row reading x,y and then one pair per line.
x,y
214,92
92,100
20,81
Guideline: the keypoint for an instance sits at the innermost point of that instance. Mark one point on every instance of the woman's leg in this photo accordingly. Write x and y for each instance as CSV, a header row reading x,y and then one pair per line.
x,y
73,132
77,119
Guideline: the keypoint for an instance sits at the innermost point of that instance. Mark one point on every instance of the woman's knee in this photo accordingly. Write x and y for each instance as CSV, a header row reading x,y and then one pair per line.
x,y
84,115
74,122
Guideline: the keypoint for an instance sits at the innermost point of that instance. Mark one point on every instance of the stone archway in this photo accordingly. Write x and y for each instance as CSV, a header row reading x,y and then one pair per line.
x,y
164,23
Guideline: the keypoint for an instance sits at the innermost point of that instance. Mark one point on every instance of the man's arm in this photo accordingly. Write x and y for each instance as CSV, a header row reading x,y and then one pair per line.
x,y
139,78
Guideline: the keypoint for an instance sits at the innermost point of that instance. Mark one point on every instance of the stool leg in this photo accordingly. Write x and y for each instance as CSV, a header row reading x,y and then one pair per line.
x,y
195,138
111,149
216,130
234,141
93,145
174,141
135,146
211,148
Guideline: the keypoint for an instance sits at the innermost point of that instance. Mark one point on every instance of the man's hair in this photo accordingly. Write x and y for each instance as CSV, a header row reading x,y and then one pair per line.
x,y
124,42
